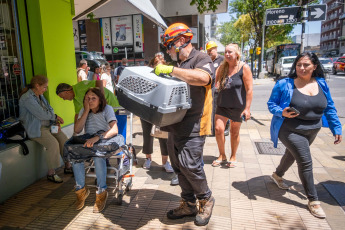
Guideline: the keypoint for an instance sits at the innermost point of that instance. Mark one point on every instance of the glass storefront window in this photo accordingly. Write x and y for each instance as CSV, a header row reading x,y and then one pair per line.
x,y
11,71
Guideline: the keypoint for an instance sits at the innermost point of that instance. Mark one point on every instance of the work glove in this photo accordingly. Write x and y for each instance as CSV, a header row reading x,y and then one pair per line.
x,y
164,69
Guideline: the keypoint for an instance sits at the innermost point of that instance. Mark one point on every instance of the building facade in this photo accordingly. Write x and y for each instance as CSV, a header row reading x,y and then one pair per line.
x,y
331,28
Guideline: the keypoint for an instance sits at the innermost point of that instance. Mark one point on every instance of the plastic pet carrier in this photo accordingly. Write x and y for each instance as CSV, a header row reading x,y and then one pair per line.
x,y
160,100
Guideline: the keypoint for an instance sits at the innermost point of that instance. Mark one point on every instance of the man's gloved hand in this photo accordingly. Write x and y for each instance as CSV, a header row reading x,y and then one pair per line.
x,y
164,69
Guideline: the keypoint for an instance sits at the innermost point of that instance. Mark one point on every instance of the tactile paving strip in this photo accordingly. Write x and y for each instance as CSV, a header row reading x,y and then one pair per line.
x,y
337,190
267,148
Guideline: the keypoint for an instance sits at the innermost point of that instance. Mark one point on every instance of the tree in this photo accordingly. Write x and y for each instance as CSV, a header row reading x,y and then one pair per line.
x,y
206,5
256,10
229,33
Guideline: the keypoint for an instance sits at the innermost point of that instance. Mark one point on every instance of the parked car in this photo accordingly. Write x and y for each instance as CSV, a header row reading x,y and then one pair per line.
x,y
284,65
79,55
327,64
338,65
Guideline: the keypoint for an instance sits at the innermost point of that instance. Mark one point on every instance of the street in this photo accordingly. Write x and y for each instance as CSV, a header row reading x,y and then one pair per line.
x,y
263,87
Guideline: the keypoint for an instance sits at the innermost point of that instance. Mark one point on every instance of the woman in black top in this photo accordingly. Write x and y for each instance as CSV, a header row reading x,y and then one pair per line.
x,y
235,82
298,104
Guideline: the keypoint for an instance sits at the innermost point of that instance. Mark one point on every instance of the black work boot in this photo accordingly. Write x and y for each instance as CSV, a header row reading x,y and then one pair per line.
x,y
204,212
185,209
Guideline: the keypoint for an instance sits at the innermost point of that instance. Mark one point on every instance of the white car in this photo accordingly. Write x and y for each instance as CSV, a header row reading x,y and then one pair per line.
x,y
327,64
284,65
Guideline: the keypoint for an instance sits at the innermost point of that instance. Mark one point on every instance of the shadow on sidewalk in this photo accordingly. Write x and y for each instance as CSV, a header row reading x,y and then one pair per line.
x,y
144,206
264,187
341,158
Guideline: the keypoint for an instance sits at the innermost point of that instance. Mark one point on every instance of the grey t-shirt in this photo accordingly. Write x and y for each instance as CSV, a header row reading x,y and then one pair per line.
x,y
99,121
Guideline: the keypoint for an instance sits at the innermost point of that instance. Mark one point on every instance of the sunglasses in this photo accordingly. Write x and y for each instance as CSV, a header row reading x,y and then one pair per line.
x,y
172,43
63,90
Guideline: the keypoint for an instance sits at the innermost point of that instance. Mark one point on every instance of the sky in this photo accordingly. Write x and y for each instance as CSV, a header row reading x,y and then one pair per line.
x,y
311,27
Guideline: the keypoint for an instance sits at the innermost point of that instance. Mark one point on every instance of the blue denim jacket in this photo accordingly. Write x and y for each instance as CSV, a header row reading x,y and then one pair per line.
x,y
31,113
281,98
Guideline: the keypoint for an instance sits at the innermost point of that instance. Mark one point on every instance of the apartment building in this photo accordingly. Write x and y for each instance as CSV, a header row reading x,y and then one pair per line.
x,y
331,29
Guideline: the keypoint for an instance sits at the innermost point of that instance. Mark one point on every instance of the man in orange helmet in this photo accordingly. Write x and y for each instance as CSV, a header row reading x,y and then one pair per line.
x,y
187,138
211,48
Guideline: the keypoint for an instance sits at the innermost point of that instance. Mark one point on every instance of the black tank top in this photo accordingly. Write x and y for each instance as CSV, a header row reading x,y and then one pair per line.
x,y
311,109
234,94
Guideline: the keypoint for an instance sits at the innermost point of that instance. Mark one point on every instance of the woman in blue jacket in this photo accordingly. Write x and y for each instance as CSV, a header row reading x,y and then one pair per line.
x,y
298,104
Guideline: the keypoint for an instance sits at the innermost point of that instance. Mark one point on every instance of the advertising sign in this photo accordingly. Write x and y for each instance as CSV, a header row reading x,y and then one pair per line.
x,y
82,35
138,33
106,35
122,31
76,35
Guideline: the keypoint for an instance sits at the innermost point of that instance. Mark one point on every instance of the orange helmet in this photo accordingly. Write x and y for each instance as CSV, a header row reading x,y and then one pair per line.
x,y
175,30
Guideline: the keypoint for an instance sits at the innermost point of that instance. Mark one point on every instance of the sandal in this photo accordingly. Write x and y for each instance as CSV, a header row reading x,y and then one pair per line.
x,y
231,164
68,170
317,212
54,178
217,163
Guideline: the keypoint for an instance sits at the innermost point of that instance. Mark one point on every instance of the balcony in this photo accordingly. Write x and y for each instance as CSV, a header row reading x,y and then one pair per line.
x,y
327,28
341,38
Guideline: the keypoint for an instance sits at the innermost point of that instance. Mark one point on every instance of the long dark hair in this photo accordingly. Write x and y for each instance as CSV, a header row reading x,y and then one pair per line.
x,y
100,95
38,79
318,72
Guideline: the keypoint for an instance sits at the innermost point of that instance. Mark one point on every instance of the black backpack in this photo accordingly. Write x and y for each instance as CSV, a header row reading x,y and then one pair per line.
x,y
120,69
12,131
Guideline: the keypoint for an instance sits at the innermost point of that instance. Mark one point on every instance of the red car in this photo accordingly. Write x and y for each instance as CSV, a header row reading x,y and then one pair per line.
x,y
339,65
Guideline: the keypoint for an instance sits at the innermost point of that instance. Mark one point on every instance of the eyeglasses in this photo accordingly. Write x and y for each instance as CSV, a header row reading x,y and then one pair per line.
x,y
172,43
62,90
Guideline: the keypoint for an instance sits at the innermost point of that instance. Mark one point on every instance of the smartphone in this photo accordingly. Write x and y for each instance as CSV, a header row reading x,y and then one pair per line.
x,y
292,109
243,117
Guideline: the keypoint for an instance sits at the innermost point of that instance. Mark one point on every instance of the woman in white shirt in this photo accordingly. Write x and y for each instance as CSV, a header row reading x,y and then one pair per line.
x,y
106,77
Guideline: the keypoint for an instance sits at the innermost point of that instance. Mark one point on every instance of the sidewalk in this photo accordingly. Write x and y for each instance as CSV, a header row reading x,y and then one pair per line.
x,y
246,198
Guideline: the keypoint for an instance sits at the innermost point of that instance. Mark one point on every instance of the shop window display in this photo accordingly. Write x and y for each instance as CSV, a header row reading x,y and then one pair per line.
x,y
11,71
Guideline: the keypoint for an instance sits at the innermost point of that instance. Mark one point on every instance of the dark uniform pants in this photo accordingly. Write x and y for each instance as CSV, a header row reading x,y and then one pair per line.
x,y
186,155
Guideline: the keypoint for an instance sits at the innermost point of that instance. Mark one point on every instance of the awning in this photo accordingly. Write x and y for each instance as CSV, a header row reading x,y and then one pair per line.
x,y
111,8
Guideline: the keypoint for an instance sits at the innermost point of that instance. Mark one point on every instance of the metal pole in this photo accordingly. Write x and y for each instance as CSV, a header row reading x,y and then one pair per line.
x,y
263,43
304,19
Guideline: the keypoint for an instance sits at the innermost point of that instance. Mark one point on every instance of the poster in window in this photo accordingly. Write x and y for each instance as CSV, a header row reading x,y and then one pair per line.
x,y
82,35
76,35
138,33
106,35
122,31
2,42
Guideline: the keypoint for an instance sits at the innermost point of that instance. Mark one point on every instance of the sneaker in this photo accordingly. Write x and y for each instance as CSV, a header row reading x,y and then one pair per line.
x,y
168,167
186,208
101,200
317,212
279,181
204,212
174,181
54,178
147,164
81,194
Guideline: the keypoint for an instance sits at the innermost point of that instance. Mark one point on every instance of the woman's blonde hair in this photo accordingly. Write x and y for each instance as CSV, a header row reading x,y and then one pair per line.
x,y
223,69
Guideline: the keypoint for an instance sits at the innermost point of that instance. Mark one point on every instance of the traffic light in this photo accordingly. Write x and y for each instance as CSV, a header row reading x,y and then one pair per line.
x,y
258,50
251,51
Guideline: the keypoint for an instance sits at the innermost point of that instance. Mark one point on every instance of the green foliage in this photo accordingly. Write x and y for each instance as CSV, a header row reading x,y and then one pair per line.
x,y
206,5
256,10
91,17
229,33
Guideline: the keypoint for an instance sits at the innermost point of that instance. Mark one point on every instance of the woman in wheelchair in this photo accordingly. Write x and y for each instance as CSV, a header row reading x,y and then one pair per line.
x,y
100,124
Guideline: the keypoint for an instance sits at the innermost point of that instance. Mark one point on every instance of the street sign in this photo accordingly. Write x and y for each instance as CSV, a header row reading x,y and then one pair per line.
x,y
284,15
317,12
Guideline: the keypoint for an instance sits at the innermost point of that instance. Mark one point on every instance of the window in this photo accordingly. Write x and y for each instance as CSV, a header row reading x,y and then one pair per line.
x,y
11,67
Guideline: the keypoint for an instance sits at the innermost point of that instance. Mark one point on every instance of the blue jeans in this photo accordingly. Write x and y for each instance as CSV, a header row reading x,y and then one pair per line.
x,y
101,173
